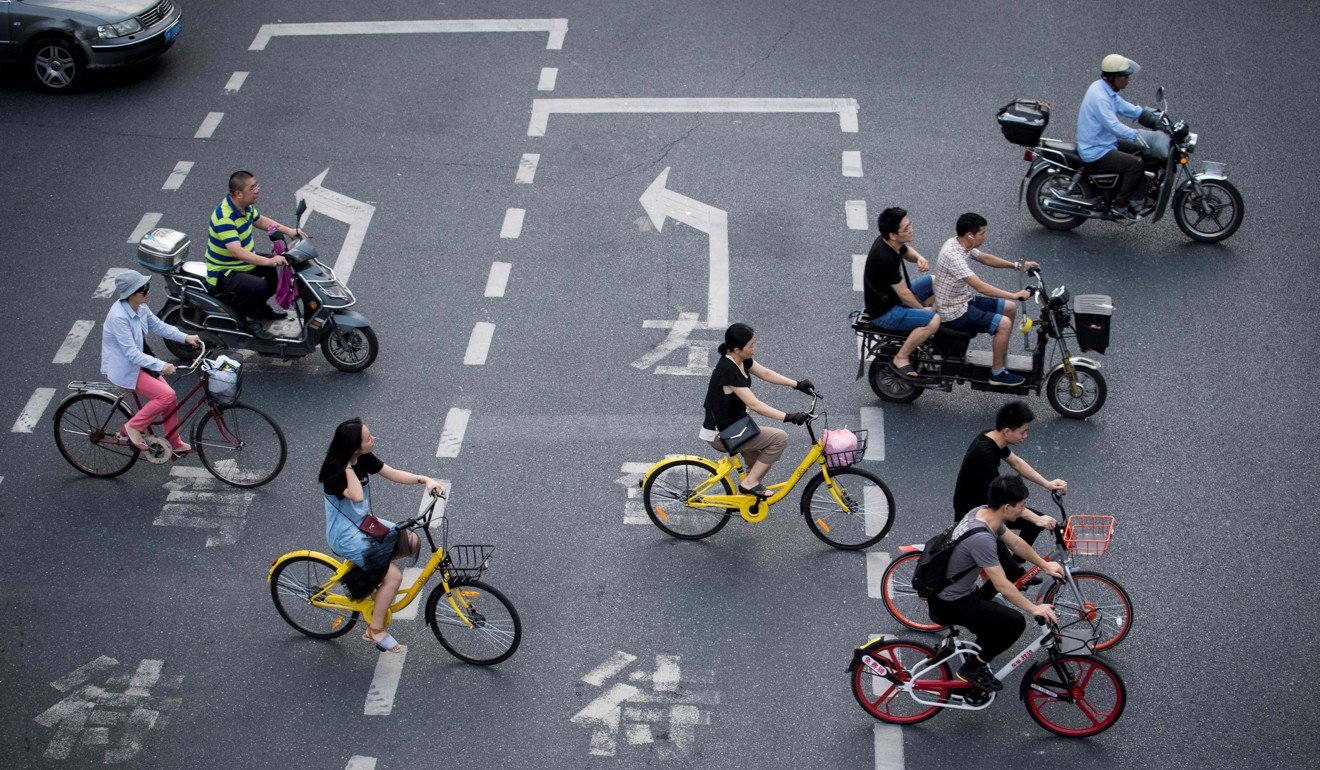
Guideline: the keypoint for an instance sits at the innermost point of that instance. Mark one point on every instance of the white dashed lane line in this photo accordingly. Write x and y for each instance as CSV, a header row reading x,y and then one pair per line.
x,y
358,762
548,77
31,414
498,279
858,267
106,288
852,163
145,225
876,563
236,82
73,342
209,125
855,212
479,344
451,437
513,223
385,683
176,177
527,168
873,421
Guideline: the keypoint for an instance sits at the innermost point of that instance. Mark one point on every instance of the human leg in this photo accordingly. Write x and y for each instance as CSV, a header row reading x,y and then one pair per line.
x,y
247,290
1128,166
161,400
385,593
921,322
765,449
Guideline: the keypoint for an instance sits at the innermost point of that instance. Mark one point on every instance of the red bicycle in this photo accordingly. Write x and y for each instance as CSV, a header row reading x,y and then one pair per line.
x,y
239,444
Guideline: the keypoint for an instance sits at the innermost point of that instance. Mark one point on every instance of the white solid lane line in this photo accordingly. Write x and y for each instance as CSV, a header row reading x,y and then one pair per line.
x,y
876,562
74,342
498,279
451,438
858,268
176,177
873,420
31,414
385,683
479,344
106,288
207,129
856,214
548,77
542,109
236,82
527,168
145,225
556,28
513,223
852,163
359,762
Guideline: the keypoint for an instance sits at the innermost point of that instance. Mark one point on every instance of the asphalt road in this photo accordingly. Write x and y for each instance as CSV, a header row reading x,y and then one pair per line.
x,y
1205,451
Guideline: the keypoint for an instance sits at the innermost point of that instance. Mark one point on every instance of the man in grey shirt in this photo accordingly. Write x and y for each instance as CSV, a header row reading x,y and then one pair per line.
x,y
996,626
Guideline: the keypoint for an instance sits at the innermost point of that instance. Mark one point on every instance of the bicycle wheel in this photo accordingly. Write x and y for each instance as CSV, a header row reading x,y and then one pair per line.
x,y
487,631
1104,605
901,598
881,696
291,588
665,495
1074,695
870,511
85,429
240,445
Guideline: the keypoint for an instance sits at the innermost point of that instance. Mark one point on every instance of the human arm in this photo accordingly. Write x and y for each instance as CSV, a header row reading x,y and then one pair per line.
x,y
404,477
906,296
1029,473
1127,109
124,343
994,291
914,256
990,260
265,223
1010,592
1108,111
353,488
757,405
771,376
236,249
167,331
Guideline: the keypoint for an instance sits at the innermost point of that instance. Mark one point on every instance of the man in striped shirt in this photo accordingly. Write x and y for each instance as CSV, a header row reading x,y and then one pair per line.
x,y
232,264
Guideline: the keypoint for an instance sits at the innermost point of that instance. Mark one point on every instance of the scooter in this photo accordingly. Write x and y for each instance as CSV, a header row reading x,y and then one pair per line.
x,y
322,315
1074,385
1061,193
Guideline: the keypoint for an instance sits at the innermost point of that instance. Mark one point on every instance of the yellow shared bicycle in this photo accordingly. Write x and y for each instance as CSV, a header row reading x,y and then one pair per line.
x,y
472,620
692,497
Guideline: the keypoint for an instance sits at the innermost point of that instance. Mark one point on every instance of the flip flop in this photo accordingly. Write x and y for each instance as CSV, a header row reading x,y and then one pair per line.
x,y
757,491
138,445
388,644
179,454
906,371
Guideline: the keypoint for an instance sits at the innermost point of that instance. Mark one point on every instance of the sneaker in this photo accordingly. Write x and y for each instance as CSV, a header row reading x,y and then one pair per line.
x,y
979,676
1005,378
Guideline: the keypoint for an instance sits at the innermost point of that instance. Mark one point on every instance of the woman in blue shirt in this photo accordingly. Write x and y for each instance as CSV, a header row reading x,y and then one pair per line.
x,y
346,480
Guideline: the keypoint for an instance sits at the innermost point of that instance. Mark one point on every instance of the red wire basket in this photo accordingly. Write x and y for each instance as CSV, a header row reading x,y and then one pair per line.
x,y
1088,535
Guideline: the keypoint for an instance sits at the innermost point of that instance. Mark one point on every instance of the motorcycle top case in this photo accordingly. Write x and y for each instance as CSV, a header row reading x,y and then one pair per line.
x,y
1023,121
161,249
1092,314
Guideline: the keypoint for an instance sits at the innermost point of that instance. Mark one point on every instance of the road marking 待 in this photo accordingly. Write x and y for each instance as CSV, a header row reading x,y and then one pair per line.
x,y
479,344
498,279
209,125
542,109
175,180
359,762
145,225
73,342
451,437
513,223
556,28
31,414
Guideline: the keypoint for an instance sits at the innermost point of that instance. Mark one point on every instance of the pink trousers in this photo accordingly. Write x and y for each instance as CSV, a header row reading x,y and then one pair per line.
x,y
161,401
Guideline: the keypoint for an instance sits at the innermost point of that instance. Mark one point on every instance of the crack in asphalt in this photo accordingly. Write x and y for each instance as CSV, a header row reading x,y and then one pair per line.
x,y
768,53
664,153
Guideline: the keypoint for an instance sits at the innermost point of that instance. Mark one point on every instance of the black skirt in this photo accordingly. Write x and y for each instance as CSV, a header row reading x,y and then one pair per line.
x,y
364,577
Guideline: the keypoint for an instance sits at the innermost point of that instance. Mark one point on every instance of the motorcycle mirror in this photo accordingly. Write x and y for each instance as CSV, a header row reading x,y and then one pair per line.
x,y
1159,94
302,209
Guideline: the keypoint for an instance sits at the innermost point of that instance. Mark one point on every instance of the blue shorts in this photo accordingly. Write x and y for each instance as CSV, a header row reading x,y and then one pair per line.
x,y
905,319
982,316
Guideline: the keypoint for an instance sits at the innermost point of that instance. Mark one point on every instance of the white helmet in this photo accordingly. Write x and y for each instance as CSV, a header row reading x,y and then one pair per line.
x,y
1117,64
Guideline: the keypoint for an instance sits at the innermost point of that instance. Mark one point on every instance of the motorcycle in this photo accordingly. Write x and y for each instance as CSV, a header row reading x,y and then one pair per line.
x,y
1074,386
1061,193
322,314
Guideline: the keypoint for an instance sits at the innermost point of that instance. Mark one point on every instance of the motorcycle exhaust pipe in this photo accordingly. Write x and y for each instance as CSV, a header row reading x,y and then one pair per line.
x,y
1062,207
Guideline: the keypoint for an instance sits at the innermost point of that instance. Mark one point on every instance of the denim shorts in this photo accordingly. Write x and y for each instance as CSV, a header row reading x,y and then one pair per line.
x,y
982,316
905,319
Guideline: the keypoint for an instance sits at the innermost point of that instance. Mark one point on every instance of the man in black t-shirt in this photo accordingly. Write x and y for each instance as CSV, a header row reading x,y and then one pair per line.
x,y
893,302
980,466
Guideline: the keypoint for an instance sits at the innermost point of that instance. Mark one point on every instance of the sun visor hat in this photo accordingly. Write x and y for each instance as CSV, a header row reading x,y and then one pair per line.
x,y
128,283
1117,64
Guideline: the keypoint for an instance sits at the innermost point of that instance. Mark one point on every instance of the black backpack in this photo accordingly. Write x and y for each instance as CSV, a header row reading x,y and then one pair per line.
x,y
932,575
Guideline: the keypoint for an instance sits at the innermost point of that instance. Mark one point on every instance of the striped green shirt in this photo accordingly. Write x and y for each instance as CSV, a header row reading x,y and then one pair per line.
x,y
228,226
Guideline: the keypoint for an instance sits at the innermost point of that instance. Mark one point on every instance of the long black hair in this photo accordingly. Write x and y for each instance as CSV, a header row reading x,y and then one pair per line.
x,y
736,337
347,440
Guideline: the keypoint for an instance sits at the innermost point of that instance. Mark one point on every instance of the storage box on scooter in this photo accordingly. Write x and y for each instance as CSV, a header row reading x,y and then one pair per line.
x,y
161,249
1023,121
1092,314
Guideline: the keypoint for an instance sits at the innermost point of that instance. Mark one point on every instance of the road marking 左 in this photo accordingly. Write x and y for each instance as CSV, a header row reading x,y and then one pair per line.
x,y
556,28
852,163
513,223
451,437
858,269
209,125
175,180
106,288
548,77
527,168
855,213
359,762
31,414
236,82
498,279
341,208
479,344
145,225
73,342
385,683
542,109
873,421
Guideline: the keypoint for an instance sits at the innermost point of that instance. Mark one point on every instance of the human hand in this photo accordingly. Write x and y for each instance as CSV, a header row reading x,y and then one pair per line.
x,y
435,488
194,340
1048,523
922,264
1026,264
300,233
805,386
277,261
1024,295
1057,485
169,369
1055,569
796,418
1045,611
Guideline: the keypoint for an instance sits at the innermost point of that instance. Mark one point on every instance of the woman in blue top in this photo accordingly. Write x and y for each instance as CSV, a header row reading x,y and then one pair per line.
x,y
346,479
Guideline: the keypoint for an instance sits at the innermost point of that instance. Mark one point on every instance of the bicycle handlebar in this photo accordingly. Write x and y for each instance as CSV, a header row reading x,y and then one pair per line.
x,y
425,515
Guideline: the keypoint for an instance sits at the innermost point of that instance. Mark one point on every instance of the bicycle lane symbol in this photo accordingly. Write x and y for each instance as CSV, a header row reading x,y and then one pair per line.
x,y
654,709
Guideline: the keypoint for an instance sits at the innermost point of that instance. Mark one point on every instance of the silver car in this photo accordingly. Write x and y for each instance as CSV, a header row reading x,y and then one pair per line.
x,y
58,41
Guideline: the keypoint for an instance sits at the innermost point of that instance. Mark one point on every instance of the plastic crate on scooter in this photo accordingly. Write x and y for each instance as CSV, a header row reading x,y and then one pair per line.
x,y
1023,121
1092,314
161,249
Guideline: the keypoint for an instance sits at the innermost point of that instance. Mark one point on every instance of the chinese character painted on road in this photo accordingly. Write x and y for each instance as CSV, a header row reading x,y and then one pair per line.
x,y
655,709
112,719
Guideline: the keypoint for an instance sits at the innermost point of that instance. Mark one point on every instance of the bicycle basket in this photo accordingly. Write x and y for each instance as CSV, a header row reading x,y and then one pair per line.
x,y
842,452
1088,535
467,561
224,380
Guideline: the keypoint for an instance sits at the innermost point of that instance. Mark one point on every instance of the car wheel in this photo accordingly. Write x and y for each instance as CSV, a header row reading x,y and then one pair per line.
x,y
56,65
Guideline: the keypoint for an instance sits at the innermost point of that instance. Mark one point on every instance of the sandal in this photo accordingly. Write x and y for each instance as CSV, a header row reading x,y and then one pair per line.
x,y
757,491
138,444
906,371
388,644
179,454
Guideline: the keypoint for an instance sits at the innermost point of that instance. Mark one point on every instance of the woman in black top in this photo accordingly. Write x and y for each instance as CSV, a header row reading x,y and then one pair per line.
x,y
729,396
346,481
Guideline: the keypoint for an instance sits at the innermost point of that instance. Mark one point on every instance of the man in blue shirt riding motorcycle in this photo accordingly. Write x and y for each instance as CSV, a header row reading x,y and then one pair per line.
x,y
1104,142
